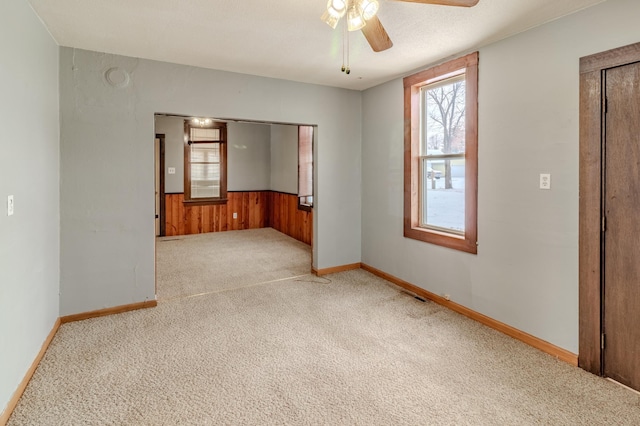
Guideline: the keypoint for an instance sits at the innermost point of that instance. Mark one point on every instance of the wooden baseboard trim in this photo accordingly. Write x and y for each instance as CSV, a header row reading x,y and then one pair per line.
x,y
108,311
544,346
335,269
4,417
11,405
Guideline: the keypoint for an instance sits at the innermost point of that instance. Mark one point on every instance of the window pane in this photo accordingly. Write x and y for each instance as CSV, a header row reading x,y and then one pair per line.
x,y
200,189
444,117
205,180
442,195
443,129
205,153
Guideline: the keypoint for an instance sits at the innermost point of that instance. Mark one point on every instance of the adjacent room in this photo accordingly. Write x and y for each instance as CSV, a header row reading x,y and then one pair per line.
x,y
319,212
230,176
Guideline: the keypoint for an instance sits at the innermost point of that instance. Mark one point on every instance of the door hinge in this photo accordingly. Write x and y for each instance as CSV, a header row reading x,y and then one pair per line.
x,y
606,105
604,223
602,341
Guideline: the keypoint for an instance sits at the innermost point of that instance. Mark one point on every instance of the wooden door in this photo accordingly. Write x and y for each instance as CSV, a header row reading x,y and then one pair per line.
x,y
621,205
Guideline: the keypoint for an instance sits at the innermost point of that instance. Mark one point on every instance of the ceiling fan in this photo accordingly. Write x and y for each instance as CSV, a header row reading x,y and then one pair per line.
x,y
361,15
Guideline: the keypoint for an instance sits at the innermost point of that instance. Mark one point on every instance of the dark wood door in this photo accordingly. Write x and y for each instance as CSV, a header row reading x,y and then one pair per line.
x,y
621,203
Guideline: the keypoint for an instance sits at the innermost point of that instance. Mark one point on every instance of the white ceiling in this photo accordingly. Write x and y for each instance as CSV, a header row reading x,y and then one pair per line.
x,y
286,38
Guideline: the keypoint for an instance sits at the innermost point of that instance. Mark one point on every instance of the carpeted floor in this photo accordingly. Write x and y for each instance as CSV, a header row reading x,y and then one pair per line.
x,y
346,349
204,263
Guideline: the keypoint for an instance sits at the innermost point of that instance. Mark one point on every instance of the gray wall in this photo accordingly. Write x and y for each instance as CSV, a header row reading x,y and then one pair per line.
x,y
29,170
248,157
526,270
284,158
107,185
173,130
100,243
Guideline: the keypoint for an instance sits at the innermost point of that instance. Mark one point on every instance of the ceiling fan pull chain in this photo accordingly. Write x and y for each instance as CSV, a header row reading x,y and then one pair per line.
x,y
346,34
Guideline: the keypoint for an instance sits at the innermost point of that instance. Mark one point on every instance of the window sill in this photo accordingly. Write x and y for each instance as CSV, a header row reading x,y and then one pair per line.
x,y
452,241
205,202
305,207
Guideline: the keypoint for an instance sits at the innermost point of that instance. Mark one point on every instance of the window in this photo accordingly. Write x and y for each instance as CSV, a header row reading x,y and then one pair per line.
x,y
305,167
205,162
441,154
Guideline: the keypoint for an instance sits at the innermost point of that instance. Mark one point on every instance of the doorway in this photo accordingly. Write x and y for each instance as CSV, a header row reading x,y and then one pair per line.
x,y
159,155
263,172
609,224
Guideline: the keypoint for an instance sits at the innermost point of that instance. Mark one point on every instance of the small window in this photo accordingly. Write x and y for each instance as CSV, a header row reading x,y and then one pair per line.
x,y
441,149
205,171
305,167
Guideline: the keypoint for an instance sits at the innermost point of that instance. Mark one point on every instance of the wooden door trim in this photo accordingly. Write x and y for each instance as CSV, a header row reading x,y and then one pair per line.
x,y
163,207
590,204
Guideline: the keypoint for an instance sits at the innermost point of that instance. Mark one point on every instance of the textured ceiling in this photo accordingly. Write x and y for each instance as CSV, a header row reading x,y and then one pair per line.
x,y
285,38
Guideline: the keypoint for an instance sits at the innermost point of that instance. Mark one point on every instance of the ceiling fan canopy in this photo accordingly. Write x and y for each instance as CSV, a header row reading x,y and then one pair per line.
x,y
361,15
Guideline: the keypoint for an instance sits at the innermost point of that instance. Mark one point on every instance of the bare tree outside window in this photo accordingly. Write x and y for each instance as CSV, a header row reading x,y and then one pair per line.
x,y
443,125
445,121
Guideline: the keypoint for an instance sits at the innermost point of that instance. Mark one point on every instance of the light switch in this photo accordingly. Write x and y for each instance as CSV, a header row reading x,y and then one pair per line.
x,y
545,181
10,205
172,170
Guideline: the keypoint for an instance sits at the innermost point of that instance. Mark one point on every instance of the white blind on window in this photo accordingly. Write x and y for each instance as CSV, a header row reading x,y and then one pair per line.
x,y
205,170
198,134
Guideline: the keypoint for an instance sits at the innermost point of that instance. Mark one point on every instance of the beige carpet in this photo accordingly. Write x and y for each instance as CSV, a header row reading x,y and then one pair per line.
x,y
350,349
203,263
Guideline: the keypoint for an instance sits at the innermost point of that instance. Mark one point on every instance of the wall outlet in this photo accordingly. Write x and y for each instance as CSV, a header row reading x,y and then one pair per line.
x,y
235,215
10,205
172,170
446,296
545,181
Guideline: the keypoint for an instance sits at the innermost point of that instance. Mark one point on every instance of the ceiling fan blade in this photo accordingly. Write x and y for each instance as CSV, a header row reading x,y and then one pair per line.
x,y
376,35
461,3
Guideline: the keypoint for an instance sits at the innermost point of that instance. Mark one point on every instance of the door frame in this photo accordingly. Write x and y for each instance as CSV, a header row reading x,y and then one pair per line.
x,y
591,222
162,212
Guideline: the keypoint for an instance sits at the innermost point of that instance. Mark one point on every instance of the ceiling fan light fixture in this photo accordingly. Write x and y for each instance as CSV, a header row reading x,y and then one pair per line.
x,y
335,10
368,8
355,21
339,6
330,19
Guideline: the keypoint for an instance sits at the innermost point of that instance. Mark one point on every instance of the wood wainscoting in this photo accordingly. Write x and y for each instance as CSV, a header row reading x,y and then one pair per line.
x,y
255,209
251,209
286,217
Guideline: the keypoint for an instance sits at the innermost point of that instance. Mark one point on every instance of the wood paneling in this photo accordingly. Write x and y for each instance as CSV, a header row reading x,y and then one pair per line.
x,y
255,209
184,219
544,346
286,217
